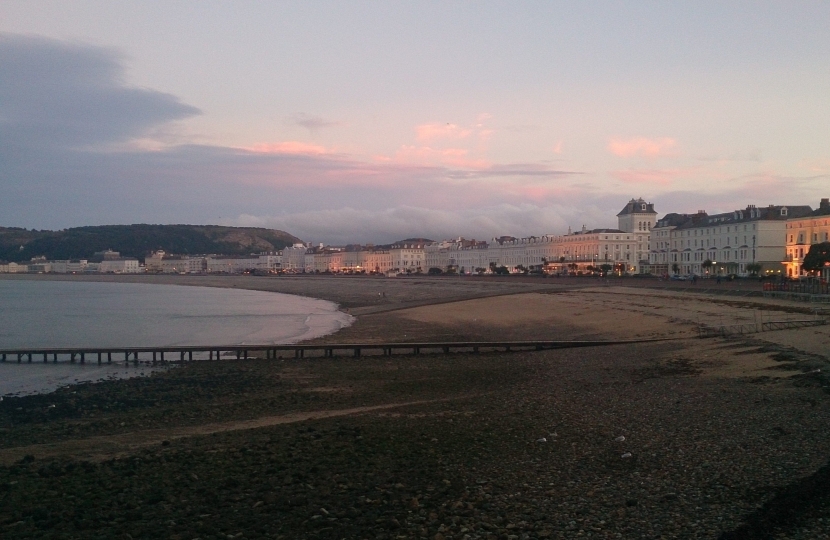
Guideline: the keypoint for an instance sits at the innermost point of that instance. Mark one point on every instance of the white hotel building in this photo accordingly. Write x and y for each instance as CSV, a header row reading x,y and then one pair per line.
x,y
625,248
682,243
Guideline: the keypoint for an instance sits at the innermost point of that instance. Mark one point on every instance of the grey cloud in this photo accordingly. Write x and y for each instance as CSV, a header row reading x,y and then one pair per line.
x,y
348,225
512,169
312,123
60,94
760,190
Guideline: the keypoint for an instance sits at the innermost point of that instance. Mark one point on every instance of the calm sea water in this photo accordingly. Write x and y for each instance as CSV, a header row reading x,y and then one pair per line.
x,y
84,314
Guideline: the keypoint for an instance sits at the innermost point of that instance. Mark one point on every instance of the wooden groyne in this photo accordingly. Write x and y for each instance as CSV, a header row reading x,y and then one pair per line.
x,y
268,351
753,328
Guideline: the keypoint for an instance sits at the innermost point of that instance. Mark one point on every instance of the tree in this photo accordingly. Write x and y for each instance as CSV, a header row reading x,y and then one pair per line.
x,y
817,258
754,268
707,265
675,268
605,268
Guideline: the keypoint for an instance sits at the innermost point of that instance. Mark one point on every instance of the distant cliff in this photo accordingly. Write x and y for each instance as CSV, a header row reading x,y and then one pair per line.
x,y
138,240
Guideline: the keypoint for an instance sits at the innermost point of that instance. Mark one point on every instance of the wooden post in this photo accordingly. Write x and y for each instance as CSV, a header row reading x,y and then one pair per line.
x,y
45,357
190,355
162,356
72,358
99,358
109,357
357,351
82,357
30,358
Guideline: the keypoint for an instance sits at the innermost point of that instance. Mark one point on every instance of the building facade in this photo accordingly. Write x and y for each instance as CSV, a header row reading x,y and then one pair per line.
x,y
121,265
408,258
728,243
803,232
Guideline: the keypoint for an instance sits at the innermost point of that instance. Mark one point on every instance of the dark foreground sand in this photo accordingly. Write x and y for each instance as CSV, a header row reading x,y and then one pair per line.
x,y
727,438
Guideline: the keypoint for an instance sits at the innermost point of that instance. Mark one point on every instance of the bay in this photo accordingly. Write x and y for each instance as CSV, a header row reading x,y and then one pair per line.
x,y
36,314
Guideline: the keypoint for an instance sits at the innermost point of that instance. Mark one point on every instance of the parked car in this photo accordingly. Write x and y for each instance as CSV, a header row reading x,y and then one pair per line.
x,y
677,277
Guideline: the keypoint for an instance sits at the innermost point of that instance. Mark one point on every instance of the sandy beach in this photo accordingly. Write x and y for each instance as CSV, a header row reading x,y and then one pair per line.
x,y
682,438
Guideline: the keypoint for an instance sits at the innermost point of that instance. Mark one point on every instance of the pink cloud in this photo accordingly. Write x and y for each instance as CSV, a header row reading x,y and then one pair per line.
x,y
557,147
429,132
288,147
817,165
425,155
642,146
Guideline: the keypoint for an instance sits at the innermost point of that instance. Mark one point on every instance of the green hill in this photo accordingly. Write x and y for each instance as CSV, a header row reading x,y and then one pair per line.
x,y
138,241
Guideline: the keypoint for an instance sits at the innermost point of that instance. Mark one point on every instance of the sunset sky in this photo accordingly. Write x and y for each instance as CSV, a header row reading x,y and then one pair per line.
x,y
375,121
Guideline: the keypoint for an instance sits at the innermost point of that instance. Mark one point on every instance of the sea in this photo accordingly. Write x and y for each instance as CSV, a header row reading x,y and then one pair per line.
x,y
35,314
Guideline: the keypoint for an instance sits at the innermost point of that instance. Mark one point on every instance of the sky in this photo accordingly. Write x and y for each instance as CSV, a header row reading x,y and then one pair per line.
x,y
356,122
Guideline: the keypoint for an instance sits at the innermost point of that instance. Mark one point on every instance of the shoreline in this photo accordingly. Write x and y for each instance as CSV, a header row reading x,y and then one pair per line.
x,y
377,293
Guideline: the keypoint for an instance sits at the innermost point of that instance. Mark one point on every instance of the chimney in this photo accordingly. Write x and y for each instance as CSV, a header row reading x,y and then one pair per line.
x,y
824,204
